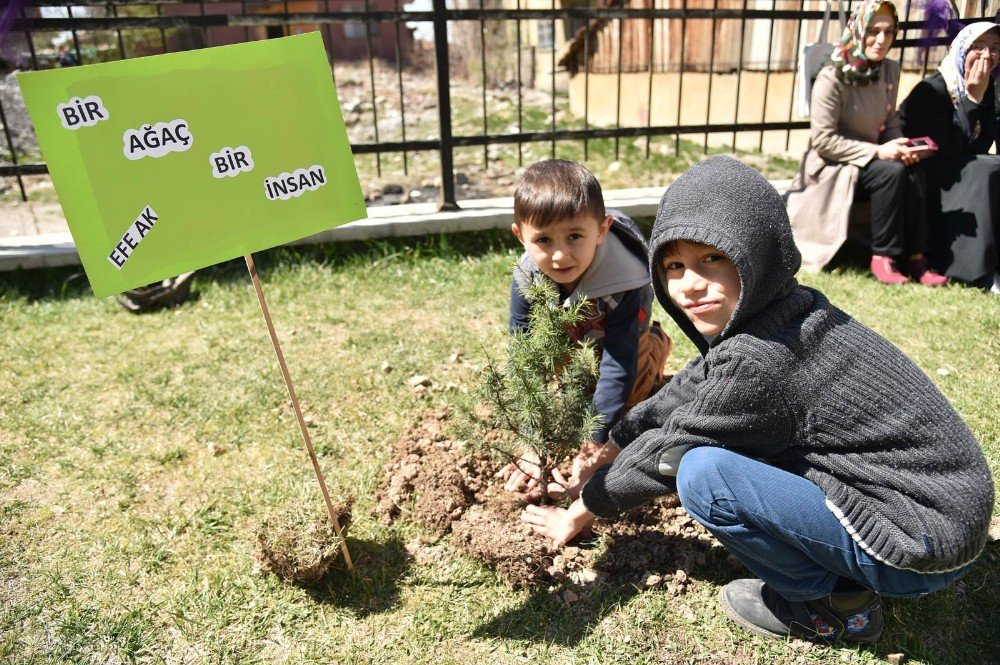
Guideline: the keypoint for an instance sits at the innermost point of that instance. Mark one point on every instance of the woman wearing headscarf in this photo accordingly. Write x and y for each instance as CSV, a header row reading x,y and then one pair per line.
x,y
857,150
956,107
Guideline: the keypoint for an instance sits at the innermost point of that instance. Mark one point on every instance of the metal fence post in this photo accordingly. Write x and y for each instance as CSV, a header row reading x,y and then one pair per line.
x,y
446,199
597,41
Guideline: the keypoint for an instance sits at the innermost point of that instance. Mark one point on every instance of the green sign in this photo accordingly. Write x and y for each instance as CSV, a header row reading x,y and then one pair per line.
x,y
174,162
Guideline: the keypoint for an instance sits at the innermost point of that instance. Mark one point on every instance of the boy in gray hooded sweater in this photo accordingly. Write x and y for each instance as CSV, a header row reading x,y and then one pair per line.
x,y
818,453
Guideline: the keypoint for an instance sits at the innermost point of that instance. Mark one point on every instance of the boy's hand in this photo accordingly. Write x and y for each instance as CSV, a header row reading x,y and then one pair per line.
x,y
557,489
522,474
558,524
585,459
591,457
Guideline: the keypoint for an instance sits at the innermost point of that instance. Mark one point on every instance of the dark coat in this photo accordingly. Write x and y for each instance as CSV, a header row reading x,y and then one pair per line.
x,y
928,111
963,182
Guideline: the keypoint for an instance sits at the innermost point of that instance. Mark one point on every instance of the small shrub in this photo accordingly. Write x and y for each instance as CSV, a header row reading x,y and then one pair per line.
x,y
541,393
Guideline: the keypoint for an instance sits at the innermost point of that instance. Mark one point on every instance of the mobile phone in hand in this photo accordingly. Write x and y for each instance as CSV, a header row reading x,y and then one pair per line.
x,y
922,143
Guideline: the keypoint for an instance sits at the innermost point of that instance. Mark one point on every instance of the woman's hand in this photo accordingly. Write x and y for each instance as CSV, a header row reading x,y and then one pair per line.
x,y
977,76
558,524
896,150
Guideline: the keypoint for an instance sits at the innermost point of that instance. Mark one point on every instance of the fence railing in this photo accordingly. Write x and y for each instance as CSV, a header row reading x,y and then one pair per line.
x,y
641,53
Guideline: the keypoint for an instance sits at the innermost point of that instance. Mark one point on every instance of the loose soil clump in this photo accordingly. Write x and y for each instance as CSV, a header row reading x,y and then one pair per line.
x,y
432,480
299,544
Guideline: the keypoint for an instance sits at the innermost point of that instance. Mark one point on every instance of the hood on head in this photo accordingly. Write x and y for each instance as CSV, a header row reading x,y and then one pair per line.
x,y
727,204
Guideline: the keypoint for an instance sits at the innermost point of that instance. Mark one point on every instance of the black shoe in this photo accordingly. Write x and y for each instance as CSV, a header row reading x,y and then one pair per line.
x,y
158,295
854,616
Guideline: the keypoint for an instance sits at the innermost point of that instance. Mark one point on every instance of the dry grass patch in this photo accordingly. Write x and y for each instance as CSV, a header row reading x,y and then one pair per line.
x,y
299,545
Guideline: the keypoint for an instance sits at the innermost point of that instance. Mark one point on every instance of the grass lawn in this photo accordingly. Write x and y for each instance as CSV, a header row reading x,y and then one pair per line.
x,y
126,534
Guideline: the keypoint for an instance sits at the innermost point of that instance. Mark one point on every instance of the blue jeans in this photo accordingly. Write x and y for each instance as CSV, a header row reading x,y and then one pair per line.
x,y
778,525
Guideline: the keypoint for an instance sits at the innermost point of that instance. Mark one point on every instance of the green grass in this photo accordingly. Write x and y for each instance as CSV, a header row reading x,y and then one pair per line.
x,y
123,538
617,164
667,156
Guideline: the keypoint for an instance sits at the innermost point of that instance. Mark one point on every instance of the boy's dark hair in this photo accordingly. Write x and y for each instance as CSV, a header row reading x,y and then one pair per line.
x,y
554,190
666,249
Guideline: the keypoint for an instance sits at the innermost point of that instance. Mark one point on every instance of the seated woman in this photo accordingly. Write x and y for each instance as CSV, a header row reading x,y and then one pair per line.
x,y
956,107
857,146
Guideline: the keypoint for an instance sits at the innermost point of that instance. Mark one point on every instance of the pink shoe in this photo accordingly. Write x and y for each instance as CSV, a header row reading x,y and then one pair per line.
x,y
919,270
885,271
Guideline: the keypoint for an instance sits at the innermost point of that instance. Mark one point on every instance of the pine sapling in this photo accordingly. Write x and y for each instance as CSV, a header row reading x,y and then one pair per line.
x,y
541,393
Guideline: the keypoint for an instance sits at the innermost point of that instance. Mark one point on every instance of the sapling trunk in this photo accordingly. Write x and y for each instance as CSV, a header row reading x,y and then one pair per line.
x,y
544,478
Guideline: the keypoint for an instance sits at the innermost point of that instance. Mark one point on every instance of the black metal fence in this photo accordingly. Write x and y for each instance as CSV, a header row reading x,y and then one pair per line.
x,y
381,29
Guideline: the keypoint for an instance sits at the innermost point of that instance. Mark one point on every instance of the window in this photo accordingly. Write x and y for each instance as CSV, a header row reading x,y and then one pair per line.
x,y
545,33
354,30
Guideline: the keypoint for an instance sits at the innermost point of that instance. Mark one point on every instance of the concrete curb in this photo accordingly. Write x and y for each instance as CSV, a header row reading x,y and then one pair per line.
x,y
413,219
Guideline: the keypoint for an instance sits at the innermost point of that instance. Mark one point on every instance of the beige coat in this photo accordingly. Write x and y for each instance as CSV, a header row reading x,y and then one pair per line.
x,y
848,124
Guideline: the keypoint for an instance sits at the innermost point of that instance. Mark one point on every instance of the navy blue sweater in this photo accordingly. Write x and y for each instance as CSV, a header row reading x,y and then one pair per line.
x,y
617,317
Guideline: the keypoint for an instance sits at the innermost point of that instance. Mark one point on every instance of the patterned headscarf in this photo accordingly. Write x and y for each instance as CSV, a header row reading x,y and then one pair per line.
x,y
953,66
848,58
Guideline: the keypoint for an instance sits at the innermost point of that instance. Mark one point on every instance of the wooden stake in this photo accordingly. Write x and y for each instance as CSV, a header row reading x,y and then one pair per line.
x,y
298,411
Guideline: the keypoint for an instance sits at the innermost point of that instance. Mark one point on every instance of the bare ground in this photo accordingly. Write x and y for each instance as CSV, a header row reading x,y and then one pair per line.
x,y
433,481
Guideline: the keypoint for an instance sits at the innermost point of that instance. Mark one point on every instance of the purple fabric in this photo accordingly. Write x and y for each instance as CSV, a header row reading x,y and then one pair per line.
x,y
10,11
939,18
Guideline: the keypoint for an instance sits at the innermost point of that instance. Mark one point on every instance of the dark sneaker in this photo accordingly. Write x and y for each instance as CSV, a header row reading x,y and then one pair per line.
x,y
854,616
885,270
158,295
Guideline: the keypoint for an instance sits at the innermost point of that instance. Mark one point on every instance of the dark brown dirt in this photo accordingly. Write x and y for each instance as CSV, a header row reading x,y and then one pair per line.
x,y
434,482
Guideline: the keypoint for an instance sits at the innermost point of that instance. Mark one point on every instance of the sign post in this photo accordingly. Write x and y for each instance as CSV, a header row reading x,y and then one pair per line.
x,y
174,162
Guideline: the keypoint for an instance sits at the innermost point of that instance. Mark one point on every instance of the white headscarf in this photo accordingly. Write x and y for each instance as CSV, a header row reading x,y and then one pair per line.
x,y
953,66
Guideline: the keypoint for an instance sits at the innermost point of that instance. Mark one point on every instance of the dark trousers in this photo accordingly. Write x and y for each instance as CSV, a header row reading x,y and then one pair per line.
x,y
963,203
898,196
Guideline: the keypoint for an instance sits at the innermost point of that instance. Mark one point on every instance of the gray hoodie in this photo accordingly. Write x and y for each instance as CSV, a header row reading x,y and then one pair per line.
x,y
796,381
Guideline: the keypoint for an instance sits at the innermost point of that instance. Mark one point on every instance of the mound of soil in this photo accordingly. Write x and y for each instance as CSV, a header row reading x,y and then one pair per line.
x,y
433,481
299,545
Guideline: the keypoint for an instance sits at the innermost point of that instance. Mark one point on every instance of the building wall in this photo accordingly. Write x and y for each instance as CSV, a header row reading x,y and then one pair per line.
x,y
767,46
637,107
344,41
678,44
542,38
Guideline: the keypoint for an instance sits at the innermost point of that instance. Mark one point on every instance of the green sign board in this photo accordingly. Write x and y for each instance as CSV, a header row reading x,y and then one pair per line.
x,y
174,162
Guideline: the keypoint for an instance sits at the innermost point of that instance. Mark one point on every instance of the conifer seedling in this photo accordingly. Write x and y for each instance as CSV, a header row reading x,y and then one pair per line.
x,y
540,392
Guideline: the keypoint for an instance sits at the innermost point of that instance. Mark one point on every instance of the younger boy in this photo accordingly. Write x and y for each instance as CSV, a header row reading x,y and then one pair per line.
x,y
812,448
591,253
